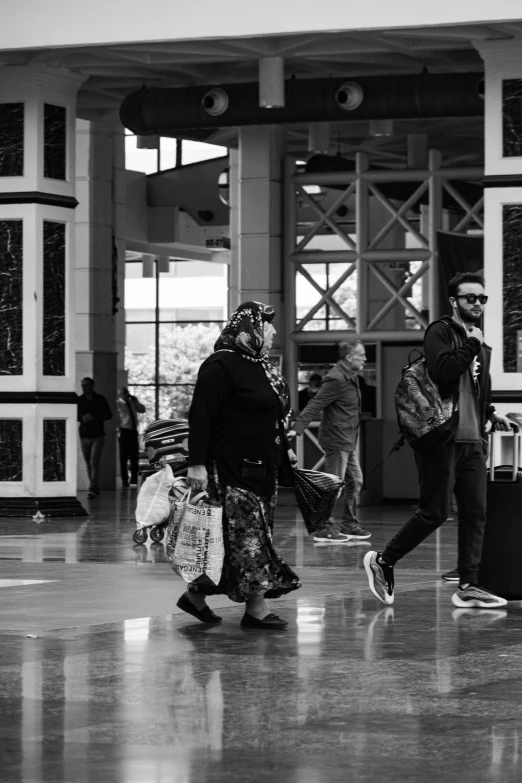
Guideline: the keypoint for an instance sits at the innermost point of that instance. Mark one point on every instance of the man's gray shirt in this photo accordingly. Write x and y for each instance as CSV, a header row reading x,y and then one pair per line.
x,y
339,402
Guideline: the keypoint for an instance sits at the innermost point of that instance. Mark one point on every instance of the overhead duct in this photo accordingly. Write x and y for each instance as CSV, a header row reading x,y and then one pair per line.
x,y
167,111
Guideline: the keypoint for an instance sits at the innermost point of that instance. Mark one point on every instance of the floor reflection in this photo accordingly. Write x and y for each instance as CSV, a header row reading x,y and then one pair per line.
x,y
310,626
40,542
352,690
106,536
343,695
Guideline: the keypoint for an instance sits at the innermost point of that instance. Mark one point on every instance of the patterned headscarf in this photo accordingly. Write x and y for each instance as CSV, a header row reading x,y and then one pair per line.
x,y
244,334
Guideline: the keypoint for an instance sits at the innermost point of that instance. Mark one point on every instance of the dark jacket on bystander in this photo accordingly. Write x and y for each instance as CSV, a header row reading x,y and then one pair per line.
x,y
339,402
99,409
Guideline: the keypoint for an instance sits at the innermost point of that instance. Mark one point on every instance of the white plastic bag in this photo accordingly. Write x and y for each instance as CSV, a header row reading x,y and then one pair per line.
x,y
199,550
153,505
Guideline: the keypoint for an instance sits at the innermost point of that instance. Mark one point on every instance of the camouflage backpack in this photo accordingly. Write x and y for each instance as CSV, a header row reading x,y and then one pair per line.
x,y
426,420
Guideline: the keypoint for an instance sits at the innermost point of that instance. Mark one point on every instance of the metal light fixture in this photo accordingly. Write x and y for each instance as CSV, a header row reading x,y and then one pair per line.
x,y
151,142
319,137
148,266
271,82
349,96
381,127
215,102
163,264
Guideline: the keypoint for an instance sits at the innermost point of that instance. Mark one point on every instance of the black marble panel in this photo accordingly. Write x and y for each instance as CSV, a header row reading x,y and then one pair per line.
x,y
54,449
11,139
11,297
512,118
512,281
53,298
54,141
11,450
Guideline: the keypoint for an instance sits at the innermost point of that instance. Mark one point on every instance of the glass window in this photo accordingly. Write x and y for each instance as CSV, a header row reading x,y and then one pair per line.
x,y
140,346
325,275
192,308
151,160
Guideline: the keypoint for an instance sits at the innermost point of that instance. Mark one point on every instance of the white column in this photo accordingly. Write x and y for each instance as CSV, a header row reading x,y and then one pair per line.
x,y
233,279
37,360
118,210
99,269
503,217
261,151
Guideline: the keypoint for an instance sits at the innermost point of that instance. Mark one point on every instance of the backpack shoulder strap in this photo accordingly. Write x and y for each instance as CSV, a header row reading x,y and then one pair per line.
x,y
396,446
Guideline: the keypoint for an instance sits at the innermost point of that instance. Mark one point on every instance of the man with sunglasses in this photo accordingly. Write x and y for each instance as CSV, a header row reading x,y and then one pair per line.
x,y
458,361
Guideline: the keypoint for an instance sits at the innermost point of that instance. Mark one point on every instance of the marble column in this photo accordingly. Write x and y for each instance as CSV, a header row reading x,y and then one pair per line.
x,y
503,217
261,162
37,362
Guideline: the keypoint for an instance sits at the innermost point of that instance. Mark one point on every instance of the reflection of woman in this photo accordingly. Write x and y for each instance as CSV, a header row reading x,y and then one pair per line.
x,y
236,445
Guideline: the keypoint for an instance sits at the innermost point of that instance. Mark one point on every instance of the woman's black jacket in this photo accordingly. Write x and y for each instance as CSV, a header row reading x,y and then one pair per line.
x,y
235,417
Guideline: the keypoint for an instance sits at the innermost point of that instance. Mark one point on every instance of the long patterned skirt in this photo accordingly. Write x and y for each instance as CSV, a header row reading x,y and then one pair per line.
x,y
251,564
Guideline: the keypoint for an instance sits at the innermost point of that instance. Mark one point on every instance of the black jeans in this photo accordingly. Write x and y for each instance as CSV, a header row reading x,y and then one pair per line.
x,y
458,467
129,452
92,450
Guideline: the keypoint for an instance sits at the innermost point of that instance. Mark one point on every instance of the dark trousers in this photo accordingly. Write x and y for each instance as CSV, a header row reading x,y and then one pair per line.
x,y
129,452
458,467
92,450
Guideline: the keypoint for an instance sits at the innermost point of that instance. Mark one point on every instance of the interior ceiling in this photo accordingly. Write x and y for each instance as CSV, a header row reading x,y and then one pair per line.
x,y
114,71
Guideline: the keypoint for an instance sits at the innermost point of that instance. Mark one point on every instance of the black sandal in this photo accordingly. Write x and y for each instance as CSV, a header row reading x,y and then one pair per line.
x,y
206,615
269,621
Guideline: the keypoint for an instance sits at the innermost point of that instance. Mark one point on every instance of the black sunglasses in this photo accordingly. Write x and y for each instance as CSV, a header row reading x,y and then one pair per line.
x,y
472,298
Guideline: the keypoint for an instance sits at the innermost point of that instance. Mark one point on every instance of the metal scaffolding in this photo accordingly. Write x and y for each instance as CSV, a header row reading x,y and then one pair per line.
x,y
363,253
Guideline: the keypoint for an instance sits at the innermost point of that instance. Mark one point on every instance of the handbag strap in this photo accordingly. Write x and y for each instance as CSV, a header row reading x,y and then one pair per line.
x,y
196,499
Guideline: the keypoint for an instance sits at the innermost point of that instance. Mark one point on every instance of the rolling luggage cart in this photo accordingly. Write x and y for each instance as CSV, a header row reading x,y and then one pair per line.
x,y
166,443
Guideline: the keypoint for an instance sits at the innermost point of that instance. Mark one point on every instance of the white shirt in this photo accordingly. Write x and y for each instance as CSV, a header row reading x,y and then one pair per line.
x,y
124,415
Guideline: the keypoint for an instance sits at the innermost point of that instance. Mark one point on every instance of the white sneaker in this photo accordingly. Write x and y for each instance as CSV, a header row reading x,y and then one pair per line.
x,y
475,597
380,577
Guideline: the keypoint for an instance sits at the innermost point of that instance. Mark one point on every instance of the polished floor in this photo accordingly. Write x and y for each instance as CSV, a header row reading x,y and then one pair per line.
x,y
103,679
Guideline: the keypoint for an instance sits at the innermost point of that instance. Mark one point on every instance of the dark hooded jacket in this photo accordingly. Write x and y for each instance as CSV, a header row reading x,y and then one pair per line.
x,y
449,354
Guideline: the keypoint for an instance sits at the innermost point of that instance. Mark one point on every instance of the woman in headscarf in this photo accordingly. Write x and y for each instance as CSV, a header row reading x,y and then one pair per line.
x,y
236,446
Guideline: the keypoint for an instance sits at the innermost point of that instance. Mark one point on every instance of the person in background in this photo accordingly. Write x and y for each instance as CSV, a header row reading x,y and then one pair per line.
x,y
307,394
128,407
338,401
237,446
93,410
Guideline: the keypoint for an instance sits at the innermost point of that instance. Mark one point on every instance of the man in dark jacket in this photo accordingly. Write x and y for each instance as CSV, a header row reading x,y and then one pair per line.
x,y
338,404
458,360
93,410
